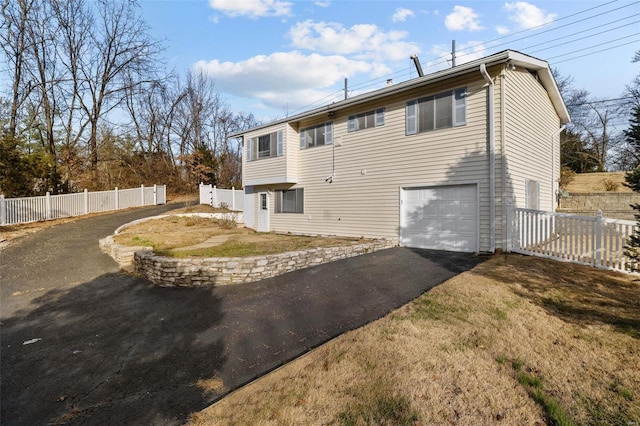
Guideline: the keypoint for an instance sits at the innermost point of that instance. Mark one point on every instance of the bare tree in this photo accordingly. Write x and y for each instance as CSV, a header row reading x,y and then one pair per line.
x,y
14,43
120,47
44,71
73,42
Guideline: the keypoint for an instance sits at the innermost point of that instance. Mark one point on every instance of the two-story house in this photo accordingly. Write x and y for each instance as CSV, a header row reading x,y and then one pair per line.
x,y
432,161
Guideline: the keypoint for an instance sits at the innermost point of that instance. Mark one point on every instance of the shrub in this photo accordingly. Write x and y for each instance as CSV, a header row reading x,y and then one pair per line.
x,y
610,185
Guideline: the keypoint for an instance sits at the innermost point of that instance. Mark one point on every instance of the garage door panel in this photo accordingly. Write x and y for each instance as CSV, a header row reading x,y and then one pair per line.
x,y
442,218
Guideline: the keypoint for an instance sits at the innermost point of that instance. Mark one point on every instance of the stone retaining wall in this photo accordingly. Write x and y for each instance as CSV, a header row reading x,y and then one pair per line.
x,y
169,272
121,254
614,205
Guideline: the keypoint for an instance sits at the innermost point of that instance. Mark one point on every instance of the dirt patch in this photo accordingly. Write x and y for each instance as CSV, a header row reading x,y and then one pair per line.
x,y
598,182
517,340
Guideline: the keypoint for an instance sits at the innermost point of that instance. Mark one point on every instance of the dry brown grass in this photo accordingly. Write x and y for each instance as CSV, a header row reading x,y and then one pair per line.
x,y
598,182
174,232
517,340
207,237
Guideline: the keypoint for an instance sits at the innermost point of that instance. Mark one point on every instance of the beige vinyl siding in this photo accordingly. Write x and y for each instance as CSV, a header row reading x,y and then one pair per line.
x,y
267,168
292,147
529,138
371,166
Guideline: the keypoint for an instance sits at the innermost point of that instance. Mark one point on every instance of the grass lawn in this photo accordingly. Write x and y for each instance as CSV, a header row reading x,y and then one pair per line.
x,y
517,341
193,236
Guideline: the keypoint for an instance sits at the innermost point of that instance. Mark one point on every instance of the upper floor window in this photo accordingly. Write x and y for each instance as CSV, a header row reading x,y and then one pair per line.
x,y
366,120
316,135
266,146
447,109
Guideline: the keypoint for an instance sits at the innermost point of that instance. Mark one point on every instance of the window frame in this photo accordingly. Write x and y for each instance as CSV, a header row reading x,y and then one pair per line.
x,y
328,135
281,205
532,194
458,111
276,146
377,120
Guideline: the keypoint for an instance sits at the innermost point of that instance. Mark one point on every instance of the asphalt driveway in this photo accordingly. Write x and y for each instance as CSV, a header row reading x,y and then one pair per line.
x,y
84,343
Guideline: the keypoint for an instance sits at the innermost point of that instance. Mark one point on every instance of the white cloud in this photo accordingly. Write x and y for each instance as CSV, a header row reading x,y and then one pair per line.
x,y
462,18
286,79
527,15
402,14
363,41
215,19
466,52
502,30
252,8
322,3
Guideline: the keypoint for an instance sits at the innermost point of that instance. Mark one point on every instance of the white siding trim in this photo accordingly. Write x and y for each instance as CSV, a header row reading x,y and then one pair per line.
x,y
271,181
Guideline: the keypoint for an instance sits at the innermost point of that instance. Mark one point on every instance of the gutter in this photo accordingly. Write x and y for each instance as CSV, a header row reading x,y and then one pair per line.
x,y
503,155
492,159
553,165
519,59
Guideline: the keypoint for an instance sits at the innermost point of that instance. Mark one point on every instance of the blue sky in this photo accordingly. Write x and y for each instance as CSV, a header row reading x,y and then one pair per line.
x,y
276,57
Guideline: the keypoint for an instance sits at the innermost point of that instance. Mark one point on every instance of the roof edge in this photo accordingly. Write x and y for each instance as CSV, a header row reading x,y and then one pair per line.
x,y
518,59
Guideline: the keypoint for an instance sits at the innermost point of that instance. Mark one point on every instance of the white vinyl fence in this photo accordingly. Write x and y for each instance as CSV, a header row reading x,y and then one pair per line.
x,y
232,199
33,209
595,241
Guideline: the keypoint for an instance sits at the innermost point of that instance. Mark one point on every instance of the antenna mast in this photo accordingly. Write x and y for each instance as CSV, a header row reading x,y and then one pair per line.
x,y
453,53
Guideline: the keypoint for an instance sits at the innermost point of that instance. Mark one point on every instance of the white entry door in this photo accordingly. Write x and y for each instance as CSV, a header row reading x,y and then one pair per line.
x,y
440,218
263,212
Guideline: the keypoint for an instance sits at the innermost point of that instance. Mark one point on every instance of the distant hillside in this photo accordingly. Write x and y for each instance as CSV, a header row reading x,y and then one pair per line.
x,y
597,182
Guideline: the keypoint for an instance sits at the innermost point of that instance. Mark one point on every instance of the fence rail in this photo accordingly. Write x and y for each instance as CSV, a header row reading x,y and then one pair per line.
x,y
46,207
595,241
231,198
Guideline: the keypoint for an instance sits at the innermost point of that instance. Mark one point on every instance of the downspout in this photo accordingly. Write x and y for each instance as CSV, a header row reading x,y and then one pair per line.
x,y
554,202
503,153
492,161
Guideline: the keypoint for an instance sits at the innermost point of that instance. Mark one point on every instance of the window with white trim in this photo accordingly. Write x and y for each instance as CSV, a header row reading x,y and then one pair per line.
x,y
316,135
365,120
266,146
532,194
440,111
289,201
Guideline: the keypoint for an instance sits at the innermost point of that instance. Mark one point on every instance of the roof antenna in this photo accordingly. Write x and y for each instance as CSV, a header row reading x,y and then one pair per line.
x,y
453,53
416,62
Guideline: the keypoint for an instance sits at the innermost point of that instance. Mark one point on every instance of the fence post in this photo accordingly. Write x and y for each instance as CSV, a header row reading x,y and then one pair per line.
x,y
155,195
233,198
48,205
211,195
598,254
3,211
142,194
117,195
200,192
86,201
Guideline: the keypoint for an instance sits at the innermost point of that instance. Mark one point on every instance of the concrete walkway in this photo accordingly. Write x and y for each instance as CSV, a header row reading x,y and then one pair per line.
x,y
84,343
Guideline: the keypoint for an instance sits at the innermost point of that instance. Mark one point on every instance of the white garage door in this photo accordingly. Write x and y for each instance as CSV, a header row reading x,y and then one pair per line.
x,y
440,218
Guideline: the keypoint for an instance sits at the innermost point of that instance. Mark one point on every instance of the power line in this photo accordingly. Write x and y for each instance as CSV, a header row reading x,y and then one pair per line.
x,y
598,51
582,38
602,101
550,23
596,45
403,73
